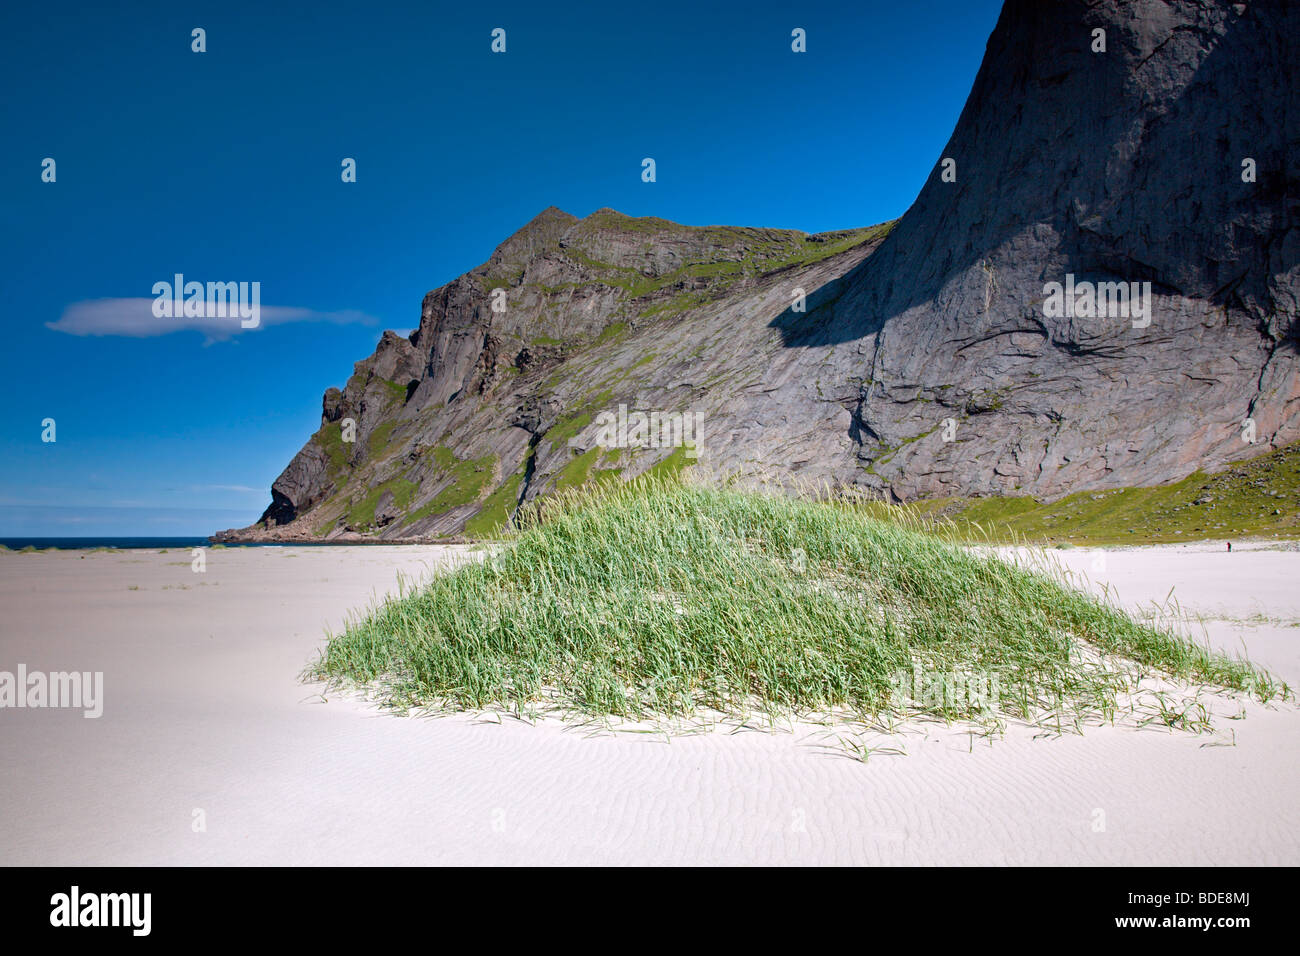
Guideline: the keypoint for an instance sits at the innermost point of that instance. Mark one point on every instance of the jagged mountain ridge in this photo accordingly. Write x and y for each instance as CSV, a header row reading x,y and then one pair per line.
x,y
1123,165
479,407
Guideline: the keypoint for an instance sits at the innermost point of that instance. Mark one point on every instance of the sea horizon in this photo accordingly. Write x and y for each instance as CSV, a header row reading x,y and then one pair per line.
x,y
87,542
144,542
159,542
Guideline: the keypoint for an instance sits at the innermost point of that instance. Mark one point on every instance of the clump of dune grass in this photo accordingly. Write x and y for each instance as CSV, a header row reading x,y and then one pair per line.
x,y
659,598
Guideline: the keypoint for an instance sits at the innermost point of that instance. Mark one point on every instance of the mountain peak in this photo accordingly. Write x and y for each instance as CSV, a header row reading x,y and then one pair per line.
x,y
922,362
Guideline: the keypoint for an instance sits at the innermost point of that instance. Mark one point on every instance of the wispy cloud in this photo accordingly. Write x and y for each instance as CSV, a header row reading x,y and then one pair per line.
x,y
134,318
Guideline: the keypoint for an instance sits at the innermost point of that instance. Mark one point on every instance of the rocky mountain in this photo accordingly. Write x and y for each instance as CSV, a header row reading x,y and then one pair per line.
x,y
1147,143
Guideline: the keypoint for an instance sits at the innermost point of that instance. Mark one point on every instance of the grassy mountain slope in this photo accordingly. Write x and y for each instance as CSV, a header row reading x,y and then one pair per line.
x,y
1255,498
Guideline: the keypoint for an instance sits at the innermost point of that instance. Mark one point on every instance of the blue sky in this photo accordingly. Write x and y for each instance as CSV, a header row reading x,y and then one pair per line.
x,y
224,166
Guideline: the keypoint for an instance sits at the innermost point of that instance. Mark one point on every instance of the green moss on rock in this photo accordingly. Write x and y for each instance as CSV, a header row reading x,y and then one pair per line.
x,y
496,510
468,479
362,514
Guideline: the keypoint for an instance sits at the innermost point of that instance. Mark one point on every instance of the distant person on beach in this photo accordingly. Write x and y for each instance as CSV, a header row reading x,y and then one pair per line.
x,y
1230,547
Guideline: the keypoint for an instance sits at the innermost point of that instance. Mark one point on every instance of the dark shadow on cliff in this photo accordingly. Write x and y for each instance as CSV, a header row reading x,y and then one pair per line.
x,y
1035,147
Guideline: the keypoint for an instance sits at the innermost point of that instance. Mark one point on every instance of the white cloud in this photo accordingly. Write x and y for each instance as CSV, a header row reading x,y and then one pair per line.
x,y
134,318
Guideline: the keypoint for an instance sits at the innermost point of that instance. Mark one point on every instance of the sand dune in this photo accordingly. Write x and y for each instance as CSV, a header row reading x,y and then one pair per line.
x,y
203,711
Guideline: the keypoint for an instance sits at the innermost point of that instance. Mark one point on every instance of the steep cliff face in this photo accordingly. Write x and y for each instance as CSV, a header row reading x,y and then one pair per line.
x,y
929,360
1124,165
495,397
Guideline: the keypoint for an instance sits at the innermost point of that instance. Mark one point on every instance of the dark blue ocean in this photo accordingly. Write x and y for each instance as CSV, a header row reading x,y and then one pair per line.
x,y
17,544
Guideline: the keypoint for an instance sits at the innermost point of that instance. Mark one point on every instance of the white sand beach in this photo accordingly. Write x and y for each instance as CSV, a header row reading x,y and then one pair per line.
x,y
204,717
